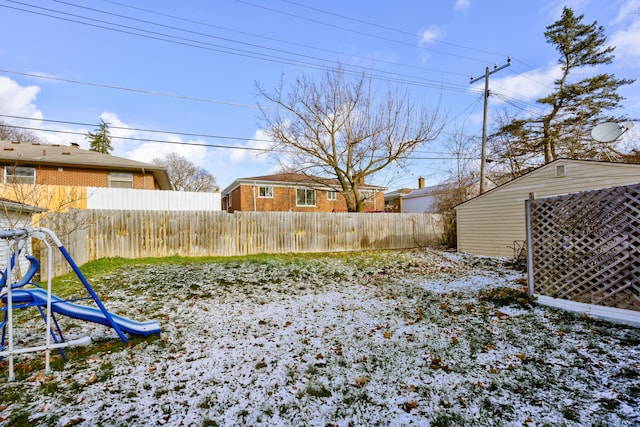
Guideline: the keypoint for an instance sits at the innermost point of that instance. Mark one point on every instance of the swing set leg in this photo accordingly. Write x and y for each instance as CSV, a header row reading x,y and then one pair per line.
x,y
52,332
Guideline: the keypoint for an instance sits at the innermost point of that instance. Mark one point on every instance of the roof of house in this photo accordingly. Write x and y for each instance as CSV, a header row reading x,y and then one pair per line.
x,y
28,153
547,165
288,179
427,191
13,206
400,192
440,188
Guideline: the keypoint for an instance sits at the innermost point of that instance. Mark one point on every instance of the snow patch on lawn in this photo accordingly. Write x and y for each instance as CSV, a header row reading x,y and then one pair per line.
x,y
384,338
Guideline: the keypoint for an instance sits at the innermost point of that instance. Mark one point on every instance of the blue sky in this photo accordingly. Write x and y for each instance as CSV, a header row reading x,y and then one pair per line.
x,y
187,70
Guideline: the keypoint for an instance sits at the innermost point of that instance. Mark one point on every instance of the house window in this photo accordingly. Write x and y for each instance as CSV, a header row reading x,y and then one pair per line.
x,y
265,192
366,195
305,197
560,170
121,180
19,175
332,195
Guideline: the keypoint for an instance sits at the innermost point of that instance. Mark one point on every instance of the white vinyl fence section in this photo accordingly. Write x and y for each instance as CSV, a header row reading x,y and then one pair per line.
x,y
139,234
151,200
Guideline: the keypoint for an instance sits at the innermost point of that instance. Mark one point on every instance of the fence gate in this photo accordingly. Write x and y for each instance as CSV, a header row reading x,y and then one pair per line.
x,y
585,247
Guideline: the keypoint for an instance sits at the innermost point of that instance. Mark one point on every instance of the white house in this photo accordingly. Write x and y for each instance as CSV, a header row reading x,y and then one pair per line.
x,y
425,199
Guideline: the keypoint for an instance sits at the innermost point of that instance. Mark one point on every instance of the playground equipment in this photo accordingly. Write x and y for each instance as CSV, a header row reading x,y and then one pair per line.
x,y
24,293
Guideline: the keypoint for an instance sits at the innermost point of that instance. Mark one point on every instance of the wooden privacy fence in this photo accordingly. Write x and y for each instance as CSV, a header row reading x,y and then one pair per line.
x,y
585,247
95,234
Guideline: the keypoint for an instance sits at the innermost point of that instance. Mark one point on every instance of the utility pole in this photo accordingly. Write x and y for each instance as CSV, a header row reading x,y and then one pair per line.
x,y
483,154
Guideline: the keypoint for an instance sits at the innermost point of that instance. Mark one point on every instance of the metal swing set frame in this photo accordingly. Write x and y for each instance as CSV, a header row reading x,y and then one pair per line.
x,y
14,297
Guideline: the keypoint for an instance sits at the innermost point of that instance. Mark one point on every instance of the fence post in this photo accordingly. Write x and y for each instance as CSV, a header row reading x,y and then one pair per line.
x,y
527,211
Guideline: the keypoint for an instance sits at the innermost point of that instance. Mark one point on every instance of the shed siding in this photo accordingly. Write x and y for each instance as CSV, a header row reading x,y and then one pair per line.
x,y
489,224
10,219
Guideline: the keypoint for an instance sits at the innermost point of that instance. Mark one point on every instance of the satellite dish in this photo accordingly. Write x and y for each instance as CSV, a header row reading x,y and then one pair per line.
x,y
607,132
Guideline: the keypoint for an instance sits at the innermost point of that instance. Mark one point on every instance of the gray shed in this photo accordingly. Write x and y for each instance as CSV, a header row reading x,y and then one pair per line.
x,y
493,222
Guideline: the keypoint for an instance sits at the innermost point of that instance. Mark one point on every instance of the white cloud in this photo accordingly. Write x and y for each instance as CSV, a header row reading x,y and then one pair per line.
x,y
554,7
19,101
430,34
124,144
253,150
462,4
628,10
527,86
148,151
625,39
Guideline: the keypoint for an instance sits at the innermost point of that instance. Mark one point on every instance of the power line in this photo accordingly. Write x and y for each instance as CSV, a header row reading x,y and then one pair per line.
x,y
384,27
399,78
200,135
144,91
266,38
351,30
381,75
163,141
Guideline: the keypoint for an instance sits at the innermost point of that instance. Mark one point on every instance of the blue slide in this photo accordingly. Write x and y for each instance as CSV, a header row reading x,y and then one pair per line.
x,y
75,311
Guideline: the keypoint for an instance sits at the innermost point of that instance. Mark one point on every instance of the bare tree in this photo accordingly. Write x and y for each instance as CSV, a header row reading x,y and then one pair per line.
x,y
460,186
186,176
16,134
337,127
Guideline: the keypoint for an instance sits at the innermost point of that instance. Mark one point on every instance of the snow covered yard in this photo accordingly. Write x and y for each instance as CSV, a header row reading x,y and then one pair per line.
x,y
392,338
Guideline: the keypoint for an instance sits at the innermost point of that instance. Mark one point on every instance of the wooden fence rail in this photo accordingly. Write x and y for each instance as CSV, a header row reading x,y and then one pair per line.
x,y
95,234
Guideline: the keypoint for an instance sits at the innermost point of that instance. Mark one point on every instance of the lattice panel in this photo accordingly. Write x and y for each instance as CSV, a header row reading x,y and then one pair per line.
x,y
586,247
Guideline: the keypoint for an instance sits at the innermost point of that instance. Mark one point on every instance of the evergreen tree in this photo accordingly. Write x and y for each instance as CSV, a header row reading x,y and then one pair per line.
x,y
575,106
100,139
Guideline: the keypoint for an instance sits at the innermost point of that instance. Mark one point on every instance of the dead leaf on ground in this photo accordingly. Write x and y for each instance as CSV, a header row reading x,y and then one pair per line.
x,y
74,422
408,406
360,381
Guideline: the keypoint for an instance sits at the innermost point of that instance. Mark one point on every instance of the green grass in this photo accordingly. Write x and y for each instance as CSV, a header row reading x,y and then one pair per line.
x,y
447,335
318,391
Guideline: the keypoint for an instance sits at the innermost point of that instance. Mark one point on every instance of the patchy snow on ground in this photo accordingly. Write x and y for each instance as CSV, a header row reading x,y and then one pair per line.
x,y
393,338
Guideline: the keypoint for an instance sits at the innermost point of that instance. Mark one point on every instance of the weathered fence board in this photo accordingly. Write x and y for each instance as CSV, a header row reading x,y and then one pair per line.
x,y
586,247
138,234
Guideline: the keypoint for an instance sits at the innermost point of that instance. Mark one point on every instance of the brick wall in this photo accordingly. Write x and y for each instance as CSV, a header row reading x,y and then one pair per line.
x,y
69,176
245,198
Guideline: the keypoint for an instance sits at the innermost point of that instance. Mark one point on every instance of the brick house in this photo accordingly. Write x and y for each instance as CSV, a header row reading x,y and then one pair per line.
x,y
69,165
292,192
62,177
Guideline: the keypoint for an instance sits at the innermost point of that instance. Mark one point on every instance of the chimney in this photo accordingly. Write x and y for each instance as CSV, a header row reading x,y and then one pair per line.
x,y
421,182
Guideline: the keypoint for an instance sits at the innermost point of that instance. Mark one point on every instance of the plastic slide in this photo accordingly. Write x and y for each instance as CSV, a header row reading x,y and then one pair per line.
x,y
75,311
